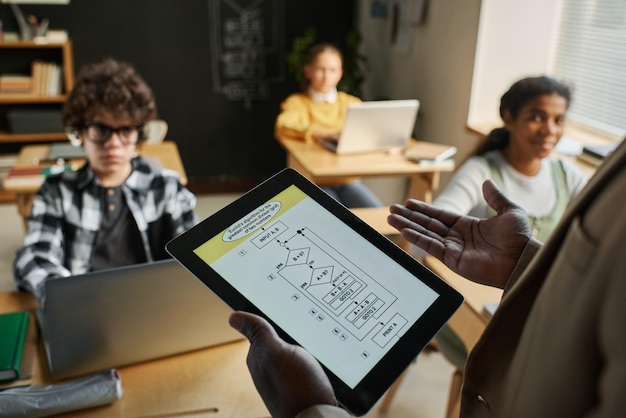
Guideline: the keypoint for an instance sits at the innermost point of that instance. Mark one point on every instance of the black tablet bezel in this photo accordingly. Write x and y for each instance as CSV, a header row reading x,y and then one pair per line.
x,y
360,399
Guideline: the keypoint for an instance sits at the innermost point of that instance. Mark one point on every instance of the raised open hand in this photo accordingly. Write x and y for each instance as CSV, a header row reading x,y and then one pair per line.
x,y
482,250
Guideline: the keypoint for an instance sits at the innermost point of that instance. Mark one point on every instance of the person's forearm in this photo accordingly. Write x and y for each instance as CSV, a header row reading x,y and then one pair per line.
x,y
291,123
31,275
285,132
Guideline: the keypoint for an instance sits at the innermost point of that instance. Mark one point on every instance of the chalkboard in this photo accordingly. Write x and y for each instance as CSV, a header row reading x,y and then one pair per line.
x,y
217,67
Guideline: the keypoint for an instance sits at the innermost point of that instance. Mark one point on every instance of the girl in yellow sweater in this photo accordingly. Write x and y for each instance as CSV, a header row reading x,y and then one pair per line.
x,y
319,112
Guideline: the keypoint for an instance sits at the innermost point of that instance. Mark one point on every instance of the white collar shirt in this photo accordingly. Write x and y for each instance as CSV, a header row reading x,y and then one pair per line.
x,y
319,97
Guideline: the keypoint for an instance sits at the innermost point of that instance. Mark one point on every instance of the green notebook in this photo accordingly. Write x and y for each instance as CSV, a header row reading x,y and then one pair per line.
x,y
13,328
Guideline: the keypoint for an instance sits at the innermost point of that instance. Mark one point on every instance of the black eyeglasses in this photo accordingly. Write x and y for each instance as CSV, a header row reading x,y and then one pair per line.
x,y
99,133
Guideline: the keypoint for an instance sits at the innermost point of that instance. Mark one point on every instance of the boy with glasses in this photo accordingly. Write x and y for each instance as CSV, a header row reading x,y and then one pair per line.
x,y
117,209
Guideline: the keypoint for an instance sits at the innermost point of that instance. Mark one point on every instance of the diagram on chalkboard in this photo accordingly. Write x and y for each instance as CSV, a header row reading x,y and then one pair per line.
x,y
339,290
247,46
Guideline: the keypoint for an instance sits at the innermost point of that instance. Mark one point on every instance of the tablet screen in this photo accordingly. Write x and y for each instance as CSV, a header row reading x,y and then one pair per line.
x,y
326,280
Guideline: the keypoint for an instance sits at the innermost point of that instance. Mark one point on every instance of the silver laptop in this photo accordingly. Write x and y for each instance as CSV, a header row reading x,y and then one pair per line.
x,y
376,126
115,317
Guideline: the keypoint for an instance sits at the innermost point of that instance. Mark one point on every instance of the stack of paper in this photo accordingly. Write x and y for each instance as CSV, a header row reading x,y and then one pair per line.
x,y
33,175
429,151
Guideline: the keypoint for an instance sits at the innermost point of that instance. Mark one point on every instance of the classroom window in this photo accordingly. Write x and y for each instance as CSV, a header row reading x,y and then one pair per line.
x,y
590,55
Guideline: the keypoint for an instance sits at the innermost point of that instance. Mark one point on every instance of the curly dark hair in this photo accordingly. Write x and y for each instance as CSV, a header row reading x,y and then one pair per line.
x,y
516,97
111,87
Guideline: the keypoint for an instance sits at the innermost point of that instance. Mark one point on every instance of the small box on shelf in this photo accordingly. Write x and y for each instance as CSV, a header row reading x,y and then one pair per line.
x,y
52,37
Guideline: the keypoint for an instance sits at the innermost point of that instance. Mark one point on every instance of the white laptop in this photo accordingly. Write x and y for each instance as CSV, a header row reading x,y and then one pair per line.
x,y
115,317
376,126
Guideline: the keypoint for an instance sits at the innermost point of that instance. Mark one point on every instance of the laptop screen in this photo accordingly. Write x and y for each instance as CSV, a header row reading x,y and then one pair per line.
x,y
114,317
378,126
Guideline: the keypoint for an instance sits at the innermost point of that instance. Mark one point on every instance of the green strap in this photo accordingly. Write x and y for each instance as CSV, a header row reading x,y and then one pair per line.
x,y
496,177
541,226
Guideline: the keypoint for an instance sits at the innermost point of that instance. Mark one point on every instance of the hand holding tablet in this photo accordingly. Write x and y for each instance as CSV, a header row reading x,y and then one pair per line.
x,y
288,378
324,279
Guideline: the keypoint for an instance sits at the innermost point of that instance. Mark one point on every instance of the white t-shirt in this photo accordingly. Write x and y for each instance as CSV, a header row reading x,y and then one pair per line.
x,y
536,194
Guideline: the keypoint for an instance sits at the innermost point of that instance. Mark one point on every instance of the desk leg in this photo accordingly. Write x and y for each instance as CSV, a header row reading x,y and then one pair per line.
x,y
468,325
24,205
422,185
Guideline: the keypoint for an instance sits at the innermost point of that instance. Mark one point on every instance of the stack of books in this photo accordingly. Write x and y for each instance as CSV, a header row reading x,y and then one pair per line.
x,y
425,152
15,84
7,161
32,176
45,80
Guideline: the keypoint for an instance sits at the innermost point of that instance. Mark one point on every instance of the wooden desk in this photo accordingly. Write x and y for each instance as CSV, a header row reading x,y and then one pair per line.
x,y
166,153
323,167
469,321
192,384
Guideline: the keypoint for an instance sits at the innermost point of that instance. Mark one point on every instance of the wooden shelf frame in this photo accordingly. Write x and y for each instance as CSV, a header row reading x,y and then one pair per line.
x,y
67,65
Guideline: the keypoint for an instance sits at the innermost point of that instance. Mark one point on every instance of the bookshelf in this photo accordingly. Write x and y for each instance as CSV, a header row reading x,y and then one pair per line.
x,y
17,58
35,78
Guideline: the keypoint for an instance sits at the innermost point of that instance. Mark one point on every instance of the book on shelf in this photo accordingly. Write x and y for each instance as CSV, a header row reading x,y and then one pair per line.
x,y
15,84
54,84
429,151
47,78
38,77
13,332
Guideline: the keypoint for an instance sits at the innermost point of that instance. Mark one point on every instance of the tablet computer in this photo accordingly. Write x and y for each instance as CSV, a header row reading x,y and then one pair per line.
x,y
326,280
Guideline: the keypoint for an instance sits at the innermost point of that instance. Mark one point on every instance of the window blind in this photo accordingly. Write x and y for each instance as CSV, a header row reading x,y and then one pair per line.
x,y
590,57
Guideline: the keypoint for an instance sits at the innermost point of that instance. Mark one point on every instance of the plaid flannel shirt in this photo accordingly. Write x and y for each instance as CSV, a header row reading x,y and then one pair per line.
x,y
66,215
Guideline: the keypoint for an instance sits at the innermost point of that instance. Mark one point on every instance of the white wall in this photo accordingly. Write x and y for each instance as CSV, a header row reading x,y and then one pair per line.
x,y
435,69
515,40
